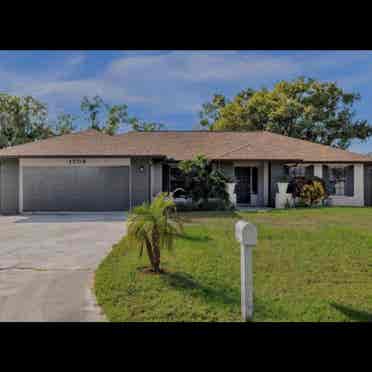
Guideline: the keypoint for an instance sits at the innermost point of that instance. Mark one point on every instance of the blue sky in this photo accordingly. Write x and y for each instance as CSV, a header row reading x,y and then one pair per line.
x,y
170,86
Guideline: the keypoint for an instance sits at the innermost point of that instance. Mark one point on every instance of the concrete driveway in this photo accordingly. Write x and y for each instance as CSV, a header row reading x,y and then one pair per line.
x,y
47,264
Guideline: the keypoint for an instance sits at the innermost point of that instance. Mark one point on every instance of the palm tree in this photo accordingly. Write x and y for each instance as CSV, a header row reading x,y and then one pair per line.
x,y
154,227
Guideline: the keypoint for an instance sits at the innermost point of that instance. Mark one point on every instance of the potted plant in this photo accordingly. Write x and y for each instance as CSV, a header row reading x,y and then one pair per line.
x,y
283,184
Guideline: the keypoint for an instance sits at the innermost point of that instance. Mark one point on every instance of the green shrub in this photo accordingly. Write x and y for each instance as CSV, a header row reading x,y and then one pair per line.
x,y
209,205
297,184
312,193
202,181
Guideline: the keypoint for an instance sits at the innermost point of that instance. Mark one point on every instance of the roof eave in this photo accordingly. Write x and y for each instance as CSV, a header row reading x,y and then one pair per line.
x,y
156,156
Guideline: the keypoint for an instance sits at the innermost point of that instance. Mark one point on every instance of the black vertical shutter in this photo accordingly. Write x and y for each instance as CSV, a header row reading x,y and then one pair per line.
x,y
165,178
254,180
349,182
325,173
309,171
330,186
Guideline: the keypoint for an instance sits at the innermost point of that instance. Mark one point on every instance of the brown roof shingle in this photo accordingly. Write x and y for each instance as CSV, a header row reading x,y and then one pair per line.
x,y
180,145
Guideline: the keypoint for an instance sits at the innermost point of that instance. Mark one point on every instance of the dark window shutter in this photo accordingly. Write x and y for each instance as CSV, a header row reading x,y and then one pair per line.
x,y
325,173
330,186
349,182
309,171
165,178
254,180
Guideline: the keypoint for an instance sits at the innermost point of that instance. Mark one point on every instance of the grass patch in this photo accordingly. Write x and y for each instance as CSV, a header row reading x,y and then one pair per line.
x,y
310,265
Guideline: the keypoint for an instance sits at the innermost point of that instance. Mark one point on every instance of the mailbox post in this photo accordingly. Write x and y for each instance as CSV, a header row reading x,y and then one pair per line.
x,y
246,234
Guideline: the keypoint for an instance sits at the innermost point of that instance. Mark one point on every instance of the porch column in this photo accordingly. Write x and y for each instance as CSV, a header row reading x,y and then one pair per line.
x,y
318,170
266,183
359,182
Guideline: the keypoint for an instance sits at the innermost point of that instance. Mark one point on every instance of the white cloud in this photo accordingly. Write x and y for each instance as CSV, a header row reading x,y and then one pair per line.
x,y
200,67
172,82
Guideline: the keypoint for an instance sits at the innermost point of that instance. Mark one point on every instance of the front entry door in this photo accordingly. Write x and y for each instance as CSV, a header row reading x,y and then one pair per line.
x,y
243,185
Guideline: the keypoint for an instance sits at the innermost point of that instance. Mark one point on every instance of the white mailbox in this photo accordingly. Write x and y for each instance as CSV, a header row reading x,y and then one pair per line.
x,y
246,235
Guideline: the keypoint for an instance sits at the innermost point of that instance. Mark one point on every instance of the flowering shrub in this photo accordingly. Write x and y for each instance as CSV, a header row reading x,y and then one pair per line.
x,y
297,185
312,193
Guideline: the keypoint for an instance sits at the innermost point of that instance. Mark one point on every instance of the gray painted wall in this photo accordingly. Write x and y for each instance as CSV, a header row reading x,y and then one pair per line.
x,y
227,168
9,187
140,181
368,185
75,188
157,179
277,171
0,186
260,187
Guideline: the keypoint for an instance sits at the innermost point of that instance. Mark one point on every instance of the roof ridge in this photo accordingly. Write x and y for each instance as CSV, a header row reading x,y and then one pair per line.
x,y
236,149
191,131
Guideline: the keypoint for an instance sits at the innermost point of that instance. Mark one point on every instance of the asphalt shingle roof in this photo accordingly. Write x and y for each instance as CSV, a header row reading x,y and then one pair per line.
x,y
178,145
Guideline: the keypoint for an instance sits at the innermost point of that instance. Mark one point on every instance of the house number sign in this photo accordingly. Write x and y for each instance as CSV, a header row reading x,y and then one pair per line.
x,y
76,161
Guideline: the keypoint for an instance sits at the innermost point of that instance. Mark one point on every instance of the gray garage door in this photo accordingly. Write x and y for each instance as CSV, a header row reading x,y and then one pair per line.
x,y
75,189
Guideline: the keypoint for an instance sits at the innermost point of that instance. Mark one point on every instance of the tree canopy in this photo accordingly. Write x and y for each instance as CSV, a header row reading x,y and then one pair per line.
x,y
22,119
25,119
303,108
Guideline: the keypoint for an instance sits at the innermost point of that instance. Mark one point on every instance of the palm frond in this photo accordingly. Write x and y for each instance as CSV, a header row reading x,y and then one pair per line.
x,y
155,225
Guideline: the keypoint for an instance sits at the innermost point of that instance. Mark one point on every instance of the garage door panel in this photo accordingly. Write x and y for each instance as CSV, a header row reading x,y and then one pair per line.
x,y
75,188
112,185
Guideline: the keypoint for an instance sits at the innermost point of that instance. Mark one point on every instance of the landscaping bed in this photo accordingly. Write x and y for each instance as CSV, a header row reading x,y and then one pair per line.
x,y
310,265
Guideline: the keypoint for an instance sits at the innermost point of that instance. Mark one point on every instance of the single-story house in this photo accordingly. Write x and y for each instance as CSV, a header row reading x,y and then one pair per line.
x,y
92,171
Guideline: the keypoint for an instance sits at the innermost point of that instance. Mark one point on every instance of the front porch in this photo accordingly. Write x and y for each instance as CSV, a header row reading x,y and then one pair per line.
x,y
251,179
256,181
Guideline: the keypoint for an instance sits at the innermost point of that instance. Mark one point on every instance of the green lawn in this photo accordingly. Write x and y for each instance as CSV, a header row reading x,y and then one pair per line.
x,y
309,265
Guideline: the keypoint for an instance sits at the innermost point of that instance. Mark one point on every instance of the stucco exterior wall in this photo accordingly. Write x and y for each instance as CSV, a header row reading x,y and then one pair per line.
x,y
156,179
368,185
277,172
227,168
261,186
140,181
9,187
0,185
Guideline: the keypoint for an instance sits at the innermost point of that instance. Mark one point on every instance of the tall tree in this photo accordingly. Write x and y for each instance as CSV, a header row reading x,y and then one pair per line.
x,y
116,117
143,126
92,108
22,119
65,124
102,116
318,111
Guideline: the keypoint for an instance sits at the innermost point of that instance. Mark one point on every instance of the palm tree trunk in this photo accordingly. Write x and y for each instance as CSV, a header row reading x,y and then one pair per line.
x,y
150,253
156,250
156,258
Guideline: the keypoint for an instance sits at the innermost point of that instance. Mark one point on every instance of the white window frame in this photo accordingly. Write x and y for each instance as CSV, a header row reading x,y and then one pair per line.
x,y
339,183
297,170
